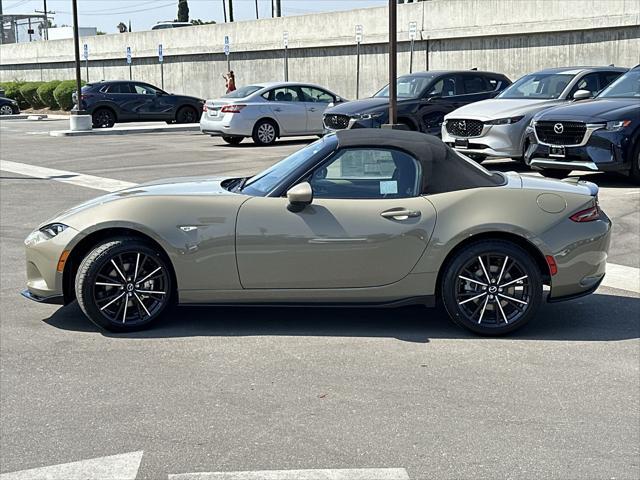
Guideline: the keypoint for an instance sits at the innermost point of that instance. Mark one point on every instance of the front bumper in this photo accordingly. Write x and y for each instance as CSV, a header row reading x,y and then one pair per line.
x,y
53,300
604,151
493,141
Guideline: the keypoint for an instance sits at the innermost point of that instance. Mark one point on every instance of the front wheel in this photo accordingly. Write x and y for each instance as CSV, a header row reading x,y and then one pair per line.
x,y
555,173
123,284
634,173
103,118
233,140
265,133
492,287
7,110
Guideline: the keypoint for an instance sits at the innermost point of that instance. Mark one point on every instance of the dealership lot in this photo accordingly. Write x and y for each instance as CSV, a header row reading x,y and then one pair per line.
x,y
223,390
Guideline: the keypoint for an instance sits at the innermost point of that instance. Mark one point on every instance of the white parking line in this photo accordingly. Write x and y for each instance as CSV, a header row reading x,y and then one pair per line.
x,y
115,467
622,278
79,179
316,474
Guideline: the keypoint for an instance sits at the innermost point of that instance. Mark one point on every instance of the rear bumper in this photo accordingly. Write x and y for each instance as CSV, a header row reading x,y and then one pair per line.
x,y
230,125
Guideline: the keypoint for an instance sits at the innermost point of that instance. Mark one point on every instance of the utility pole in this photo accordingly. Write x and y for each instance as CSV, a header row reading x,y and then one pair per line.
x,y
76,46
393,65
278,8
224,9
231,10
2,25
257,14
46,14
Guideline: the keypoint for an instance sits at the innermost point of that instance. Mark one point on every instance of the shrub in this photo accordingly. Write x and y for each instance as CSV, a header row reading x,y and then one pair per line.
x,y
45,92
63,93
30,93
12,90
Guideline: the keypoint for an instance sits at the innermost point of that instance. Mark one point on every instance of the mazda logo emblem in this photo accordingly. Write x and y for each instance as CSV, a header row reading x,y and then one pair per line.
x,y
462,124
558,128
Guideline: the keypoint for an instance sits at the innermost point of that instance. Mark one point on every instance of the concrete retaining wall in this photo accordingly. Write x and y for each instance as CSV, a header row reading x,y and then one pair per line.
x,y
509,36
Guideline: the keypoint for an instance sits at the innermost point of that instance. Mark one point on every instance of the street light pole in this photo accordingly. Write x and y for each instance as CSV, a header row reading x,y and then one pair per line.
x,y
46,21
76,46
393,54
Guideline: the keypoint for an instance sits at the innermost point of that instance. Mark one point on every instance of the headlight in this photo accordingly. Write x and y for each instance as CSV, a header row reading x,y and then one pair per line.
x,y
505,121
617,125
45,233
368,116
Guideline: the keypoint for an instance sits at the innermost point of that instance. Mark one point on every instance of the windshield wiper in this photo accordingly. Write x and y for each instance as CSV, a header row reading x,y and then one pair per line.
x,y
241,185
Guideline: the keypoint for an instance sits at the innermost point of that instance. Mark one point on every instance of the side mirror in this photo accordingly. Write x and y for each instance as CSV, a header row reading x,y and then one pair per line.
x,y
582,95
338,100
299,197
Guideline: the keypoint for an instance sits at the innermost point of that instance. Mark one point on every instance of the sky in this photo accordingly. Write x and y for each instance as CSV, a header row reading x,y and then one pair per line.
x,y
107,14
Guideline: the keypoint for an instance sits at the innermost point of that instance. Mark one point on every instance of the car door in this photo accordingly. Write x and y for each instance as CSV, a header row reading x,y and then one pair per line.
x,y
149,105
120,95
367,226
441,97
287,108
316,102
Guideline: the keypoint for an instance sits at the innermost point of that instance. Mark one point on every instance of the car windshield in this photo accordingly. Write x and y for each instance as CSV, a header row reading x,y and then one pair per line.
x,y
538,86
627,86
408,86
266,181
243,91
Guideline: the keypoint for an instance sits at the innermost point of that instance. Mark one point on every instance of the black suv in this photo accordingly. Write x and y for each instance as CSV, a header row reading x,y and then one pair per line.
x,y
602,134
423,100
109,102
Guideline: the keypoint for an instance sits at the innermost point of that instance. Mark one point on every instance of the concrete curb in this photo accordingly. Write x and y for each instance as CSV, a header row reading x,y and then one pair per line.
x,y
24,116
126,130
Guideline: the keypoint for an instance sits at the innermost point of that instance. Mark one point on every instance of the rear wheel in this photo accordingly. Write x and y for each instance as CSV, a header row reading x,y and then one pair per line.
x,y
634,173
103,118
233,140
6,110
187,115
492,287
123,284
265,132
555,173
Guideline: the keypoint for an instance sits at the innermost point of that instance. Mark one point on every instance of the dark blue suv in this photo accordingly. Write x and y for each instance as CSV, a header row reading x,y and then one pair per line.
x,y
602,134
109,102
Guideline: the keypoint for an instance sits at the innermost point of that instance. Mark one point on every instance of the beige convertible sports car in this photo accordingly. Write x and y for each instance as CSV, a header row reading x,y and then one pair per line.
x,y
366,217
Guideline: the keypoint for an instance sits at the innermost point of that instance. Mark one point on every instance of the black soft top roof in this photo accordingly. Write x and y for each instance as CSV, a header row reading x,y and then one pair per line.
x,y
442,169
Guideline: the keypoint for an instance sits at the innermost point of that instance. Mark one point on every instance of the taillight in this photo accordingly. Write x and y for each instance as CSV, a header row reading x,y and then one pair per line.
x,y
204,107
232,108
588,215
84,96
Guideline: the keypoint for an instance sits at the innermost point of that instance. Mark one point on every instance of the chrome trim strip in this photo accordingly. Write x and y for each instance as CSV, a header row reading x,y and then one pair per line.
x,y
591,127
541,162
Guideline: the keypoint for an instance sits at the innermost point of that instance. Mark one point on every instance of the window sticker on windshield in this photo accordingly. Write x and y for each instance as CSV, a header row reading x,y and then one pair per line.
x,y
388,187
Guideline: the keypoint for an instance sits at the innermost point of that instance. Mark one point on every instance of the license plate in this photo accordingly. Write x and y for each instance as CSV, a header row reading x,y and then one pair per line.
x,y
556,152
461,143
213,112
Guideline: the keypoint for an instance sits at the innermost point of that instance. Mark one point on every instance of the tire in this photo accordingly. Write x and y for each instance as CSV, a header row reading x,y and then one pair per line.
x,y
408,125
187,115
480,304
103,118
634,173
475,157
555,173
233,140
7,110
118,305
265,132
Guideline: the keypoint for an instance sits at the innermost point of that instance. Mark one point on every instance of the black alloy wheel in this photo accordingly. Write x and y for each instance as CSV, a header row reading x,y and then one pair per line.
x,y
187,115
634,173
492,287
7,110
232,140
103,118
123,285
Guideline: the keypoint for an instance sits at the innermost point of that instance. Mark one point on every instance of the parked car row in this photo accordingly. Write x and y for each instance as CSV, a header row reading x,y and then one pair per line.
x,y
8,106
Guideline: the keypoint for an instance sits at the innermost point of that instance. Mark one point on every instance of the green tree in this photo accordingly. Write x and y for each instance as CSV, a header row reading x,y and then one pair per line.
x,y
122,27
183,11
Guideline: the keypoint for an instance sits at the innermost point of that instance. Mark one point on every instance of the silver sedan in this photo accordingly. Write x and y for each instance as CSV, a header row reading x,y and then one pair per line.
x,y
267,111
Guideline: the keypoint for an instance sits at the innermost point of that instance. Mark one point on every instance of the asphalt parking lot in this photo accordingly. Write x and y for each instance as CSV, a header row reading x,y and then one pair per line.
x,y
379,391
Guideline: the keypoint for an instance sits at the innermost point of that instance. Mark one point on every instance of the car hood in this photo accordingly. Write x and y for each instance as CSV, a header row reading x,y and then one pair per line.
x,y
501,108
354,107
183,186
597,110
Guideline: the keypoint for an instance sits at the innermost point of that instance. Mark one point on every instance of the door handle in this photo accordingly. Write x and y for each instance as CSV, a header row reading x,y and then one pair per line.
x,y
312,109
400,214
277,109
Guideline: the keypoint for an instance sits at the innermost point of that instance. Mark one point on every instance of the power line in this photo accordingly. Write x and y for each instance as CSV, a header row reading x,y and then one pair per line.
x,y
118,12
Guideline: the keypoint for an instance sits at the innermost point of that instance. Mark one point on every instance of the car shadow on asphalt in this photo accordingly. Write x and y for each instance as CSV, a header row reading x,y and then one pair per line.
x,y
599,317
248,143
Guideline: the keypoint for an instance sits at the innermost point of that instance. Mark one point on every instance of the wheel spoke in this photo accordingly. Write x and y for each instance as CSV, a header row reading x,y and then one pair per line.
x,y
142,303
472,280
484,270
124,279
511,299
114,300
126,304
135,273
107,284
514,281
506,259
145,278
502,311
484,307
471,299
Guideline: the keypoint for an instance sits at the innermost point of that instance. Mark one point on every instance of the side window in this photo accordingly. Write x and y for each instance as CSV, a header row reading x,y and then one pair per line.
x,y
607,77
494,84
119,88
371,173
474,84
444,87
311,94
143,89
282,94
588,82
